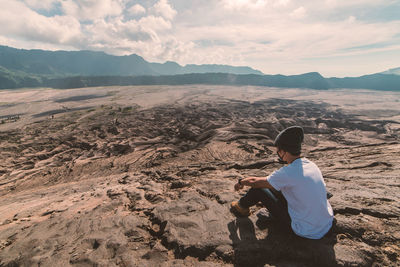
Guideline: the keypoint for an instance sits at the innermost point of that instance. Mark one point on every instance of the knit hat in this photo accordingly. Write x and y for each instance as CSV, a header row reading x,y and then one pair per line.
x,y
290,139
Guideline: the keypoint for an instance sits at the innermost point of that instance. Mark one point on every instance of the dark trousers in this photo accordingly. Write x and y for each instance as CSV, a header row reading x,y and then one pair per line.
x,y
273,200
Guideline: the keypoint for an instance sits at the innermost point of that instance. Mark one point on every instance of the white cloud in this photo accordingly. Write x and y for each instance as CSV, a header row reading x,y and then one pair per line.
x,y
341,3
137,9
115,30
282,2
351,19
244,4
155,23
298,13
164,9
108,30
33,26
92,9
147,36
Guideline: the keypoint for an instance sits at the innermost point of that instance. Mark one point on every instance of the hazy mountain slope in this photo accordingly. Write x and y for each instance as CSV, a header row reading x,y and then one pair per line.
x,y
17,79
313,80
384,82
380,82
66,63
191,68
90,63
395,71
61,69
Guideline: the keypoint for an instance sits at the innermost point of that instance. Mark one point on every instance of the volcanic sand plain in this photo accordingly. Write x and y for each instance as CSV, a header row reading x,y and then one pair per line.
x,y
144,175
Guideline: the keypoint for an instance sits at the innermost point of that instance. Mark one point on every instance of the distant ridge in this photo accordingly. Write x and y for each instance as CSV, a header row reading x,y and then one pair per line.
x,y
311,80
395,71
91,63
61,69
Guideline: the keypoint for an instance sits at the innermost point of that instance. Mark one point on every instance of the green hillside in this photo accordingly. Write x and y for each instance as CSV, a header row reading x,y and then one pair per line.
x,y
65,69
90,63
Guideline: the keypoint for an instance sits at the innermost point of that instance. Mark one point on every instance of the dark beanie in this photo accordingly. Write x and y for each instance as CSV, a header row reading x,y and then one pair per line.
x,y
290,139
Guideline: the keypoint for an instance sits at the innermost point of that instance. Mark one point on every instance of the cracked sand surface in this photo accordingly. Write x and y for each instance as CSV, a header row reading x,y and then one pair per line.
x,y
144,177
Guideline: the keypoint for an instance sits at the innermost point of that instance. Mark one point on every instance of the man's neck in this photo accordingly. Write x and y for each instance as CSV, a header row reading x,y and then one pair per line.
x,y
291,159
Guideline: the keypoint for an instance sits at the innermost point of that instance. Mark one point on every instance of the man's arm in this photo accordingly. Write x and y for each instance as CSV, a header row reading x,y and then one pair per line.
x,y
254,182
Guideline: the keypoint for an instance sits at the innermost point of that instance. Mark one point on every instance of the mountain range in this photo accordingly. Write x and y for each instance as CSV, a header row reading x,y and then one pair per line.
x,y
392,71
91,63
74,69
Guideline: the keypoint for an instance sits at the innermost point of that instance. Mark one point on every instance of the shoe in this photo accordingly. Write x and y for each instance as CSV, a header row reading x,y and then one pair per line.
x,y
238,210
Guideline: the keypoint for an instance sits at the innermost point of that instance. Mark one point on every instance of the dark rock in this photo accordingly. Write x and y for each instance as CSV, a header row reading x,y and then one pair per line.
x,y
225,252
179,184
113,130
153,197
255,165
120,149
113,193
133,195
7,221
124,179
209,168
158,254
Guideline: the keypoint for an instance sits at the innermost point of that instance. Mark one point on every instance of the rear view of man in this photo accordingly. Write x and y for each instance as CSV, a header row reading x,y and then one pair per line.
x,y
295,195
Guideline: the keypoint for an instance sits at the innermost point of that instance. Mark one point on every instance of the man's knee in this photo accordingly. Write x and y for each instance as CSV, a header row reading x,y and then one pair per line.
x,y
254,190
257,192
267,193
262,194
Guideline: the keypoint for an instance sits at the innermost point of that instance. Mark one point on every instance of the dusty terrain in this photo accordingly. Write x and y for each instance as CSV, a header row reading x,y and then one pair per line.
x,y
143,176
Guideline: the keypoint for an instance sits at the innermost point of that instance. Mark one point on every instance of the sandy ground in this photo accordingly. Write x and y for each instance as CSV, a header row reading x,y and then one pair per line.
x,y
143,176
38,104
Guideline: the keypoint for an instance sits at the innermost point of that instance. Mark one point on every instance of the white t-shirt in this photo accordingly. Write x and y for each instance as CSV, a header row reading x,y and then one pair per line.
x,y
303,186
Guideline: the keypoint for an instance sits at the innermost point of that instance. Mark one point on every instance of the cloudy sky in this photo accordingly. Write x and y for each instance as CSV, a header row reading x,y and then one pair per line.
x,y
334,37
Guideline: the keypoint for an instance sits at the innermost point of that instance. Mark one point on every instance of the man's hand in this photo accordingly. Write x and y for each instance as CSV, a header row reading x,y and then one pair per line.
x,y
238,186
255,182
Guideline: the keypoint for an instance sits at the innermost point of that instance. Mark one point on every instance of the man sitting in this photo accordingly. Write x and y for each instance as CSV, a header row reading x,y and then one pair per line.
x,y
295,195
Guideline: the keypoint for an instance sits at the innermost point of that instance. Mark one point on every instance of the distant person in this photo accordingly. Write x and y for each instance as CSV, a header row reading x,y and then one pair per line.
x,y
295,195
